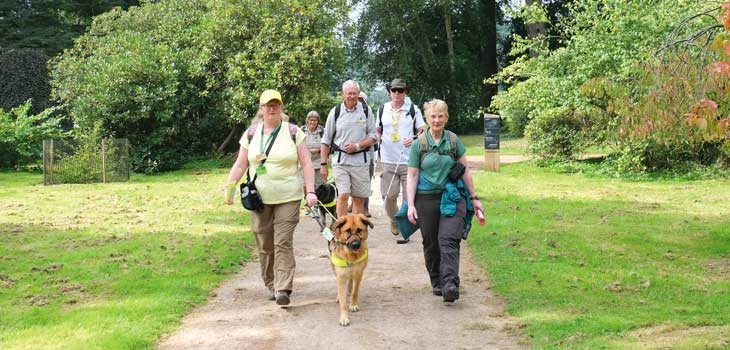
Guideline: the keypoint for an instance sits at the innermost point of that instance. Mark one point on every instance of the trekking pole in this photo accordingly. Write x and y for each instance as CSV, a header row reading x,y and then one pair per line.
x,y
400,158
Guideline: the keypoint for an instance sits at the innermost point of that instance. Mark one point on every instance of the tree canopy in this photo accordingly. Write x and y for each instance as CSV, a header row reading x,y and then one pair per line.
x,y
176,77
443,49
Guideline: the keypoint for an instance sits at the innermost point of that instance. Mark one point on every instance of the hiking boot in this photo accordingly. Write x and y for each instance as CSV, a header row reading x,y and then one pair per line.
x,y
282,297
451,293
394,229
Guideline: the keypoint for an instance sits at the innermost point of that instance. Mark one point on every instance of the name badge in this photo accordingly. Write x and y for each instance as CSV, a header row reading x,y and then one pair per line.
x,y
261,170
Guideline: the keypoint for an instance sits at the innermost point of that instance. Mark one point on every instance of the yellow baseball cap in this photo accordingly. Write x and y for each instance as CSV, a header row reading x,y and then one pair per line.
x,y
269,95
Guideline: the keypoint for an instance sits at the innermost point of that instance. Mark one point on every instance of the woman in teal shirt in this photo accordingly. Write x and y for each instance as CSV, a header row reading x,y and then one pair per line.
x,y
427,176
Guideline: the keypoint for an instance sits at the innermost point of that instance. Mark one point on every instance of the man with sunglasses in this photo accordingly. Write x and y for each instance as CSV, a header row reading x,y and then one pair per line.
x,y
399,122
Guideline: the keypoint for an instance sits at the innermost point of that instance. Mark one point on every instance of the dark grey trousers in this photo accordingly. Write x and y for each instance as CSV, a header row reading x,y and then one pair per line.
x,y
441,239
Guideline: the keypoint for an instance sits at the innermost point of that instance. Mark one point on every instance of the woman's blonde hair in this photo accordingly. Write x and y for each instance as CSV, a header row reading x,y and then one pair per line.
x,y
436,106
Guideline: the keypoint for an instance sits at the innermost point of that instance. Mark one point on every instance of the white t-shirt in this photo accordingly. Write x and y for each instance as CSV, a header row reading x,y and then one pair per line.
x,y
398,125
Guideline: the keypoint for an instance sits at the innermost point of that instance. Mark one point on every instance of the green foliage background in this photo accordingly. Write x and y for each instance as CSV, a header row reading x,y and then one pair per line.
x,y
609,79
176,77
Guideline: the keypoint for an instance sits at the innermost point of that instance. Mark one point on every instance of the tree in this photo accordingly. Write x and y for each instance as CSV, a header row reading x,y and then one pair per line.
x,y
602,40
443,48
49,25
175,77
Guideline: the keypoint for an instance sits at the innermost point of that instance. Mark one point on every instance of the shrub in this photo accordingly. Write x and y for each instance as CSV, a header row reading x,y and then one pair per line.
x,y
23,76
22,135
556,134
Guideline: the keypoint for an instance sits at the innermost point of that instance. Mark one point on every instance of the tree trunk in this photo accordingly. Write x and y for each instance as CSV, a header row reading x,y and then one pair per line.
x,y
234,131
449,40
534,30
488,48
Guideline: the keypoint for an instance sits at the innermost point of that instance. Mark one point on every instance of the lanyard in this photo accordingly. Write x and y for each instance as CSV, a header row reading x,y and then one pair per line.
x,y
274,132
395,117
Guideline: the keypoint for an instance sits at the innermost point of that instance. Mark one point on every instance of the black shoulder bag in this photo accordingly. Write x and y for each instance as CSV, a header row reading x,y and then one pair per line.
x,y
250,197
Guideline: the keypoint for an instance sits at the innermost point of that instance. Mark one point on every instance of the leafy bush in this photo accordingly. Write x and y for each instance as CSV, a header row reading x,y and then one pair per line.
x,y
602,39
174,77
23,76
555,135
22,135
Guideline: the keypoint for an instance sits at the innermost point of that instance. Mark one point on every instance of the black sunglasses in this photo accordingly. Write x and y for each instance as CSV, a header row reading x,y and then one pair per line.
x,y
398,90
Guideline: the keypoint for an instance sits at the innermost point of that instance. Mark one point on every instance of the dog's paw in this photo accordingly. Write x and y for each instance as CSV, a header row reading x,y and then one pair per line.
x,y
354,308
344,321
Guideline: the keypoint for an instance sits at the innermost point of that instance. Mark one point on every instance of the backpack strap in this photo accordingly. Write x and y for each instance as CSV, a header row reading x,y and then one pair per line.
x,y
411,112
292,131
338,110
423,143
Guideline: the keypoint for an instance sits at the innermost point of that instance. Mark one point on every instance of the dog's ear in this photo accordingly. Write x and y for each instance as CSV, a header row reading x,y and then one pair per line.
x,y
340,222
365,220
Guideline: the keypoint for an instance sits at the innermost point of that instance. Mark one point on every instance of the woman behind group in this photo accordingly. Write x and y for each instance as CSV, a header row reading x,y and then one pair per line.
x,y
426,180
279,188
314,132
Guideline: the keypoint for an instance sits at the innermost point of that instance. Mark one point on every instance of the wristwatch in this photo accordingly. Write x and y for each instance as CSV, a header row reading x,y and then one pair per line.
x,y
322,163
474,197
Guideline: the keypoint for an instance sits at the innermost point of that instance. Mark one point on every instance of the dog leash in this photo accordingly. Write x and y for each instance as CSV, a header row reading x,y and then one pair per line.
x,y
325,231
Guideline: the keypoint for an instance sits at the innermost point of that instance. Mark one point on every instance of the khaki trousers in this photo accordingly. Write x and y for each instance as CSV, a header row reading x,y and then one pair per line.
x,y
274,231
392,182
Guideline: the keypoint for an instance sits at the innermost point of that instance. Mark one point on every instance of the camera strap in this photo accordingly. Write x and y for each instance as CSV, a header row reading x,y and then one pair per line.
x,y
273,138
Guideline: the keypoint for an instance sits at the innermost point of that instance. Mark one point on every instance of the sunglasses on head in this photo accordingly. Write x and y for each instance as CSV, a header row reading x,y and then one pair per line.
x,y
398,90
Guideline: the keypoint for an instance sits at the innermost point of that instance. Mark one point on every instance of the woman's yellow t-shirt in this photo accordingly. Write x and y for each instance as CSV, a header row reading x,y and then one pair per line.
x,y
280,183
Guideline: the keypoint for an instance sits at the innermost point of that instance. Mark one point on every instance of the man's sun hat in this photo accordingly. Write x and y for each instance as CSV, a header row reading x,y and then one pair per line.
x,y
270,95
397,83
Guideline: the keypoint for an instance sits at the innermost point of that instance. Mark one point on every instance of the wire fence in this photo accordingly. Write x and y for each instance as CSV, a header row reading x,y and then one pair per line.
x,y
66,161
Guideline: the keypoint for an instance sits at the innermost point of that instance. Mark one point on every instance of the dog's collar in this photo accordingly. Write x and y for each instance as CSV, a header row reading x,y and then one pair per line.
x,y
330,204
340,262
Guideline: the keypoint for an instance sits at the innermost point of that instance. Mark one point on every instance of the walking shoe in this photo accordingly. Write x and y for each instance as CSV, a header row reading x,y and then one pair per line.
x,y
437,291
270,294
394,229
282,297
451,293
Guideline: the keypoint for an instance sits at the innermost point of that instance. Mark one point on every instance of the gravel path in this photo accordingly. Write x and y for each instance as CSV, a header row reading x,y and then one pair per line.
x,y
397,309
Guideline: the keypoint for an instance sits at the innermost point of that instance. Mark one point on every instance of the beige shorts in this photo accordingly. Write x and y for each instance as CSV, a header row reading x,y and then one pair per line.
x,y
352,179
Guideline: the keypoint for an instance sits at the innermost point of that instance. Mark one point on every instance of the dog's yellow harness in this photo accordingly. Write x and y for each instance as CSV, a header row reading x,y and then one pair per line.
x,y
340,262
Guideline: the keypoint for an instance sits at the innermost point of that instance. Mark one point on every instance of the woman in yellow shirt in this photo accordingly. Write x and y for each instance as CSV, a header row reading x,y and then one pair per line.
x,y
280,190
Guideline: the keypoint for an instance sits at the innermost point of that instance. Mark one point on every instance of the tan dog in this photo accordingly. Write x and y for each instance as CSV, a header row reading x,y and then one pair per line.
x,y
349,256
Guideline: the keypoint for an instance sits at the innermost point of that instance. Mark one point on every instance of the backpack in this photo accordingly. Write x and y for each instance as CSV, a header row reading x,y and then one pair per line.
x,y
411,112
320,129
423,141
292,130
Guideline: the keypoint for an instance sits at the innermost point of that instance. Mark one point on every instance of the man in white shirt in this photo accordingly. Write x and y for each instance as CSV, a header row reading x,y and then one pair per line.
x,y
399,122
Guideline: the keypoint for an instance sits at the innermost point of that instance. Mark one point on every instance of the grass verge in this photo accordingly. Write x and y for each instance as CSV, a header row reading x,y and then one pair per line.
x,y
596,263
111,266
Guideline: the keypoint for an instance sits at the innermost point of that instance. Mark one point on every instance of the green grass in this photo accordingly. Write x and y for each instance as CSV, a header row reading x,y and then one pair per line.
x,y
508,146
583,262
111,266
596,263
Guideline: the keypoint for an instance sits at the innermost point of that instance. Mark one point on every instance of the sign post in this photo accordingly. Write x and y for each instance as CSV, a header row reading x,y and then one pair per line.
x,y
491,142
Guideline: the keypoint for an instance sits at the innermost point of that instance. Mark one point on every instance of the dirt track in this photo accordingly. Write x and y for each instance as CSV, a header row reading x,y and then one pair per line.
x,y
397,309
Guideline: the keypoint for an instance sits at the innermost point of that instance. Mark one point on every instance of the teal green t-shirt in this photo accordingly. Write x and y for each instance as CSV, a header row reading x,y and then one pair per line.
x,y
436,163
